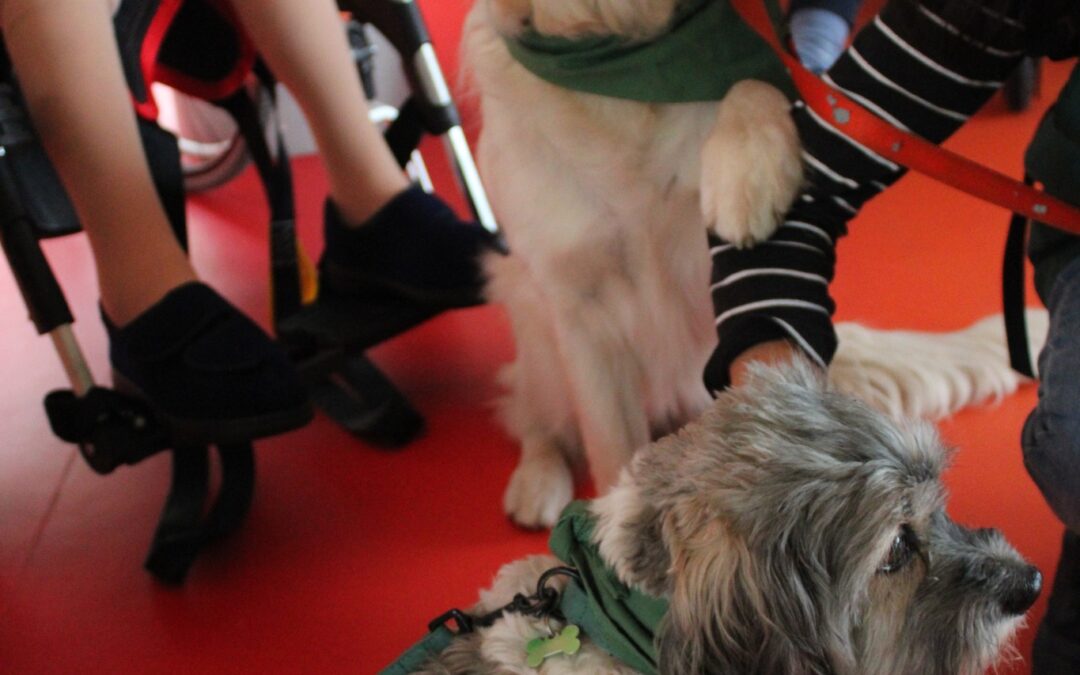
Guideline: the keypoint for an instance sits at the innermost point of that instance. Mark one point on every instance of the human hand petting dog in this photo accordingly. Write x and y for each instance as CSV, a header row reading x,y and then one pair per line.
x,y
774,352
819,37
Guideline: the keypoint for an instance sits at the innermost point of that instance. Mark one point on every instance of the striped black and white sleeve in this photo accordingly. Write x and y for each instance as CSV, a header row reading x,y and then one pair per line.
x,y
924,66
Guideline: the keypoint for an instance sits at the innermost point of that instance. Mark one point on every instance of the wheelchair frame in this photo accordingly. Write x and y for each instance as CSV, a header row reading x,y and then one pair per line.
x,y
327,345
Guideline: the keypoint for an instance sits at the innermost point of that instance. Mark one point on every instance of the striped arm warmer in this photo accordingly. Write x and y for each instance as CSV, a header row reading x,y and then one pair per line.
x,y
914,67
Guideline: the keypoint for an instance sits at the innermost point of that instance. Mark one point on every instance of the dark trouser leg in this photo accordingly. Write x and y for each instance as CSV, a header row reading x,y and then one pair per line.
x,y
1051,436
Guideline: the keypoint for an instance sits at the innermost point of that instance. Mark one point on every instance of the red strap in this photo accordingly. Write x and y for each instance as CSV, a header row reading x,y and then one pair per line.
x,y
155,35
206,90
905,148
153,71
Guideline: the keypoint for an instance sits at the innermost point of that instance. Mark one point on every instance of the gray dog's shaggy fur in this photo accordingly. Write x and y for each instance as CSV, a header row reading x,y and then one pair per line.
x,y
793,531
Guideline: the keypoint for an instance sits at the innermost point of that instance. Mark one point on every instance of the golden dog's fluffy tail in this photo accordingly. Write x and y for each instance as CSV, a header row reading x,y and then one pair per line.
x,y
931,375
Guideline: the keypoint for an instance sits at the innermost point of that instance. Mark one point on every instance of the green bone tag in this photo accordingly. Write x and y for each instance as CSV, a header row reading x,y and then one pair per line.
x,y
566,642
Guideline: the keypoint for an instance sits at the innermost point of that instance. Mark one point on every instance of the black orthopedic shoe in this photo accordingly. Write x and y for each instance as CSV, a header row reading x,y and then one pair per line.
x,y
1057,642
207,370
414,250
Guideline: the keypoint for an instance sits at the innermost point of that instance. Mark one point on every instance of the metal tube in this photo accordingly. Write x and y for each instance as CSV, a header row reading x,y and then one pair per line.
x,y
71,357
458,147
431,76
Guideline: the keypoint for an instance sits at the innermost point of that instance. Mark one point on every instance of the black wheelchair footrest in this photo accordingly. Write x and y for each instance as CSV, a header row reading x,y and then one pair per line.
x,y
359,397
182,531
114,429
340,325
110,428
327,340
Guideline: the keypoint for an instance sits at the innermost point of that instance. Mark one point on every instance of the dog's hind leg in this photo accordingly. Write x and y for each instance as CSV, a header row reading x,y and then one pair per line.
x,y
750,164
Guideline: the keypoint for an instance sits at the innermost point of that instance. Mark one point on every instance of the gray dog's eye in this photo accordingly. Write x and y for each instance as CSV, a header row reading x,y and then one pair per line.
x,y
903,549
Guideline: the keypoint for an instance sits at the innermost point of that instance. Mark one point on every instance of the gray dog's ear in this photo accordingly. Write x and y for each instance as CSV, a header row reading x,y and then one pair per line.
x,y
631,538
730,615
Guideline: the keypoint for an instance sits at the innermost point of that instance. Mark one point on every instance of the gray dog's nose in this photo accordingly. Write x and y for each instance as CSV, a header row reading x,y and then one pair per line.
x,y
1025,590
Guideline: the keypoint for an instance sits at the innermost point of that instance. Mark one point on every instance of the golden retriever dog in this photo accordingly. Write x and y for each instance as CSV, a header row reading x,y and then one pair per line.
x,y
605,203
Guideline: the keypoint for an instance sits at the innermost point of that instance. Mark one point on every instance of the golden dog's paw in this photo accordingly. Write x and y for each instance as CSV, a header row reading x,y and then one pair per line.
x,y
539,489
750,164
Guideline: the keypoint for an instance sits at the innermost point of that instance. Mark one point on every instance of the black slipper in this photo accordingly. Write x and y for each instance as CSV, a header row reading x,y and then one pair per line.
x,y
414,249
208,371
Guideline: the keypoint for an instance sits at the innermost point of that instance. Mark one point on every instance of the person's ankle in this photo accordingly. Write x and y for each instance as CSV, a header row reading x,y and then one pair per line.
x,y
357,209
125,304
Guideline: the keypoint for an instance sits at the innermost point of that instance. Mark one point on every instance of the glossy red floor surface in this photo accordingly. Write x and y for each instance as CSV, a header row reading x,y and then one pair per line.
x,y
350,550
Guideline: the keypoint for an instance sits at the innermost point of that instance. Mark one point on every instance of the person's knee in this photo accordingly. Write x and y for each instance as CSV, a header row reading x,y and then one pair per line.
x,y
13,11
1051,445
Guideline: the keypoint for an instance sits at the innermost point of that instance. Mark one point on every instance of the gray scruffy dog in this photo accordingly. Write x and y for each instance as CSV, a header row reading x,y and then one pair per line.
x,y
791,530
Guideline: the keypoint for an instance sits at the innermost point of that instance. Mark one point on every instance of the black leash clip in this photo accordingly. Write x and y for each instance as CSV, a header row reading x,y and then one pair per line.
x,y
543,603
465,622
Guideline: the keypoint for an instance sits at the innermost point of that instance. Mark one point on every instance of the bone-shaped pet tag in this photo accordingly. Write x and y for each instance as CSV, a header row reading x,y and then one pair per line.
x,y
540,648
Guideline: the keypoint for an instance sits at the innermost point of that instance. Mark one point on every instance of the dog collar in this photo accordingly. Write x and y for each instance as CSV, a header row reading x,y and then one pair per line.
x,y
706,50
619,619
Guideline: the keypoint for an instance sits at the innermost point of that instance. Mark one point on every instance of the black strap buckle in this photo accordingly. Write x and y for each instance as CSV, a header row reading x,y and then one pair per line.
x,y
465,623
111,429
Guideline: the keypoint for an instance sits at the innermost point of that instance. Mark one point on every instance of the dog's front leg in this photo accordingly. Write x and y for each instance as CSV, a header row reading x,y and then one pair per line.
x,y
750,164
606,379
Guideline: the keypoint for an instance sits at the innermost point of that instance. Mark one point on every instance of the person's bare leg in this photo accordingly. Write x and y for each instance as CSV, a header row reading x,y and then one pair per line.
x,y
304,43
65,55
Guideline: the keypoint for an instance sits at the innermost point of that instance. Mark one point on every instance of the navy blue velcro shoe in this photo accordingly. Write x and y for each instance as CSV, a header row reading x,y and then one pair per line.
x,y
414,249
207,370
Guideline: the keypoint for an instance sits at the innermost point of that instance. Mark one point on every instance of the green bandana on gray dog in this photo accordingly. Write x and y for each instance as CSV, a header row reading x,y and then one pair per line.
x,y
620,620
705,51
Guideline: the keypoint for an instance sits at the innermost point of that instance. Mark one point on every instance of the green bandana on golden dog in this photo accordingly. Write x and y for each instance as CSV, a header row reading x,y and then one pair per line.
x,y
706,50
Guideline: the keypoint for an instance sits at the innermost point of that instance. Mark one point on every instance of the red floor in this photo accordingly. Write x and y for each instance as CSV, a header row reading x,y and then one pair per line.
x,y
349,550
